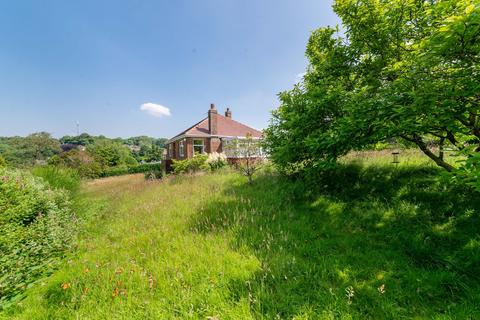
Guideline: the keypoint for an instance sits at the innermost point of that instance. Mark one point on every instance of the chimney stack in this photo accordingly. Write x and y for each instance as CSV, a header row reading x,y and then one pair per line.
x,y
212,120
228,113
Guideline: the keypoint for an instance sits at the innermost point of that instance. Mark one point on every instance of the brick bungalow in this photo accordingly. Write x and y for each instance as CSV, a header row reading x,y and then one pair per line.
x,y
207,136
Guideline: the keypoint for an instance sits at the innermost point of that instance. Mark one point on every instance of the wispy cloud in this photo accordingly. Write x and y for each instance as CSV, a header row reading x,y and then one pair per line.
x,y
155,110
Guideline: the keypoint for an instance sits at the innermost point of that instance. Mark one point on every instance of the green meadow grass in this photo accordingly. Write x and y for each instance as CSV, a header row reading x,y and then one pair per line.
x,y
406,158
368,242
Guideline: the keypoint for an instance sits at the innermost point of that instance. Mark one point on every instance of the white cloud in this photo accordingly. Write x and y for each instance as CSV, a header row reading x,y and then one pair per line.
x,y
155,110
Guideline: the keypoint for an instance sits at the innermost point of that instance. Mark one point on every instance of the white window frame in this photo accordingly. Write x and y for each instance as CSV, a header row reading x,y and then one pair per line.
x,y
182,148
199,145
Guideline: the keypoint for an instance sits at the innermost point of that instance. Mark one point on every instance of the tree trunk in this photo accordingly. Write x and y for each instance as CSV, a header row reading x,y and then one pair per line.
x,y
421,144
250,179
441,153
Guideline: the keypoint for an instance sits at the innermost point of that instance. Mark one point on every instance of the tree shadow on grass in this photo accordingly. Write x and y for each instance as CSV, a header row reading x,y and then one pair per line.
x,y
363,242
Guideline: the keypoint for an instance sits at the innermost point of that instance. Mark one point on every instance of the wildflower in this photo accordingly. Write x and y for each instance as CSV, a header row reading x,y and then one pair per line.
x,y
349,293
151,281
115,292
66,286
381,289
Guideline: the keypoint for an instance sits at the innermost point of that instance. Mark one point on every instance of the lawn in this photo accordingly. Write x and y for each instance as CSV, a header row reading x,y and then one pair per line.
x,y
378,242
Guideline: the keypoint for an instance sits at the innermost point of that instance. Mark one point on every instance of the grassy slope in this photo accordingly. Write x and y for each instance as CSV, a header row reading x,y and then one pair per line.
x,y
212,246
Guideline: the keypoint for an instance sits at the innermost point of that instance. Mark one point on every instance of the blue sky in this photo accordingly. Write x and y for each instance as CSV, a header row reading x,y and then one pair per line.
x,y
97,62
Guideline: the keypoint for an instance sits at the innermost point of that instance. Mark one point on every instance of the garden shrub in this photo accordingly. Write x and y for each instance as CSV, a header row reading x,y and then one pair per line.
x,y
82,161
197,163
115,171
38,227
217,161
154,174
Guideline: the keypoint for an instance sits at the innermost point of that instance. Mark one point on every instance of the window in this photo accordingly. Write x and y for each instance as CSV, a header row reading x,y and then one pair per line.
x,y
198,146
242,147
182,148
170,150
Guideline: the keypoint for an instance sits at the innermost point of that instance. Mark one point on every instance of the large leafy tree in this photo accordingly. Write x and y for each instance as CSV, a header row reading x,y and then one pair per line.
x,y
110,153
26,151
404,69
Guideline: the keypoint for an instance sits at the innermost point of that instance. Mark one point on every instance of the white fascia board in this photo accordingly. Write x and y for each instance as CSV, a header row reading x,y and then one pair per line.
x,y
183,136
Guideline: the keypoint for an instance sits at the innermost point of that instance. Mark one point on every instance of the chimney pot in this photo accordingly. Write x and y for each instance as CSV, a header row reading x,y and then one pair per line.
x,y
228,113
212,106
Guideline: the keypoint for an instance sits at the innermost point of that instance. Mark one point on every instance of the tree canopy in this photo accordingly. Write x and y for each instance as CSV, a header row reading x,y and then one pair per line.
x,y
26,151
405,69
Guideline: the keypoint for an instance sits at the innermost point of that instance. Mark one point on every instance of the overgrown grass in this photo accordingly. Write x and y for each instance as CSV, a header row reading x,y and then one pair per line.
x,y
59,178
367,242
406,158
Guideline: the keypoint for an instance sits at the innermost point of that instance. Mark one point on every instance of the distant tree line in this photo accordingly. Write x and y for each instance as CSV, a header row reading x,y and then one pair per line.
x,y
93,156
26,151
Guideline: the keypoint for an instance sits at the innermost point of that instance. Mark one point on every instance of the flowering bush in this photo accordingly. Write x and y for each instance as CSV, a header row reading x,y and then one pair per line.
x,y
217,160
37,227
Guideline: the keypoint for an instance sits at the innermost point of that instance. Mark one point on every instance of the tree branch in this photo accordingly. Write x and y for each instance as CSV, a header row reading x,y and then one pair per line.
x,y
422,145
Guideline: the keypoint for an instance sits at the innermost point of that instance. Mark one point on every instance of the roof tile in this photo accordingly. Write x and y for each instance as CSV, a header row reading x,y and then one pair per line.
x,y
226,127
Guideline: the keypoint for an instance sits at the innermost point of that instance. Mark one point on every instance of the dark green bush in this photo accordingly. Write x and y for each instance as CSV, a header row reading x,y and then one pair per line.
x,y
469,172
146,167
81,161
37,228
115,171
3,162
154,174
122,170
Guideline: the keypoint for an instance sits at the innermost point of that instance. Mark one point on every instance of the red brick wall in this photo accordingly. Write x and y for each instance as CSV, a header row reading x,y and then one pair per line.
x,y
189,148
207,145
212,120
215,145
